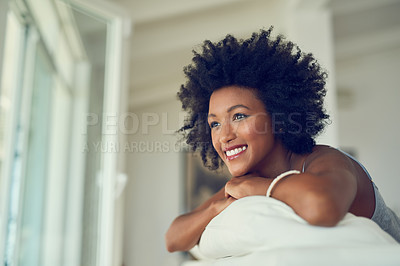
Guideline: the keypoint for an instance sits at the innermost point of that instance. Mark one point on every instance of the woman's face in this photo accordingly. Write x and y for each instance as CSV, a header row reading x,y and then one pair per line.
x,y
241,129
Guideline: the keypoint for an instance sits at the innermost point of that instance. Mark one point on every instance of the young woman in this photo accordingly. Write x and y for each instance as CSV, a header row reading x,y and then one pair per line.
x,y
256,105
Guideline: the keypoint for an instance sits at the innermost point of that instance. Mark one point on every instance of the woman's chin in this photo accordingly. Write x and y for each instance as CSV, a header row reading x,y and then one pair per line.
x,y
237,172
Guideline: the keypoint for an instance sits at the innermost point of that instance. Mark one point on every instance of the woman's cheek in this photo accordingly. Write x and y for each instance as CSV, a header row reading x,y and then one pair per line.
x,y
251,129
215,142
261,124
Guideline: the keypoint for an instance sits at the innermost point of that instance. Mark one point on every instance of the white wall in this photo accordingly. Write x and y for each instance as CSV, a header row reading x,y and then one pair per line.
x,y
311,29
154,194
369,118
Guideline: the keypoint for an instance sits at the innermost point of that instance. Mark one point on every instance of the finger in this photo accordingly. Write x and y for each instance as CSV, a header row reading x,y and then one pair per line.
x,y
231,199
250,176
226,193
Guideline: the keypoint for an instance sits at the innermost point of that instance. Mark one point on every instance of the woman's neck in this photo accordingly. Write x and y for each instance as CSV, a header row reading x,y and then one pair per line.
x,y
280,160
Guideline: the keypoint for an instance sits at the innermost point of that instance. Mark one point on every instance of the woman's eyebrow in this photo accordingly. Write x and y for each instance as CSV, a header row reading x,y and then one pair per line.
x,y
237,106
230,109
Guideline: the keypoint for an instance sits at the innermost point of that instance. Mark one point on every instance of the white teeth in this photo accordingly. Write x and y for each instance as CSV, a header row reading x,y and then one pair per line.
x,y
235,151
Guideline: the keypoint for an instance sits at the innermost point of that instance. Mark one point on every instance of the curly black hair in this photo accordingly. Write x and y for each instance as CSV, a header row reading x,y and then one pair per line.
x,y
290,83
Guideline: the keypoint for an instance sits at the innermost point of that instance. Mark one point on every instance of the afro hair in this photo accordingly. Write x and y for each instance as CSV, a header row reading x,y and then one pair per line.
x,y
290,83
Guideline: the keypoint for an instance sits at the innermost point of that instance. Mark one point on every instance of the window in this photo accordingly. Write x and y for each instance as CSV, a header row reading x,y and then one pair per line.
x,y
57,197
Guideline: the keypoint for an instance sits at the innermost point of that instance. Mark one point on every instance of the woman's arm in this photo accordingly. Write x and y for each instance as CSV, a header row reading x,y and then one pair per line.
x,y
322,195
185,231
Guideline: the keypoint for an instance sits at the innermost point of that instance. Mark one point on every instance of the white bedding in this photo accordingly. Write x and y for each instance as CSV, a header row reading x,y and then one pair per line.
x,y
258,230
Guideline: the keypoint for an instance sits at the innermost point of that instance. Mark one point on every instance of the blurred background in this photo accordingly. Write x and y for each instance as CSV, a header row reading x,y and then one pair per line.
x,y
91,170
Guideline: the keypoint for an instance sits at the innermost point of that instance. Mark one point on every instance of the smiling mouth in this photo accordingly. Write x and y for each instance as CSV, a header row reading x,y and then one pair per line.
x,y
234,153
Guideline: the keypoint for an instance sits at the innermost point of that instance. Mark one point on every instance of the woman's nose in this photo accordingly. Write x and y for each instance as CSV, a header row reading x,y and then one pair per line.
x,y
228,133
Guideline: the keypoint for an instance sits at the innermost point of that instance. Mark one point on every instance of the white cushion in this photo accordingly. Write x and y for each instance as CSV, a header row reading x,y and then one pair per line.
x,y
260,223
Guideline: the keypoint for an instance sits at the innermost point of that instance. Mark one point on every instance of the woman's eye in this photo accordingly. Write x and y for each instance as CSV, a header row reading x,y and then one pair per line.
x,y
239,116
214,124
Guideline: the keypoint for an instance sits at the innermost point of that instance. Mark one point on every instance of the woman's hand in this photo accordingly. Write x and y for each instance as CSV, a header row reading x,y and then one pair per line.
x,y
221,204
247,185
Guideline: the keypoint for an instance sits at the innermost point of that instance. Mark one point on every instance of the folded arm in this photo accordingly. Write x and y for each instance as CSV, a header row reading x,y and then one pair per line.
x,y
185,231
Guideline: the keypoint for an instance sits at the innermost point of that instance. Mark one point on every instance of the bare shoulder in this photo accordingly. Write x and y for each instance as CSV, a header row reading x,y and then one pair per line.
x,y
325,159
336,173
346,175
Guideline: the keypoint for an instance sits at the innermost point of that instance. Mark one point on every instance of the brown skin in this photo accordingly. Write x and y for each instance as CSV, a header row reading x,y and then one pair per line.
x,y
331,185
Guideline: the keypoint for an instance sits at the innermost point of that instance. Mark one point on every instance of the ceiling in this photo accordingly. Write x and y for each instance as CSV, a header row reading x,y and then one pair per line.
x,y
165,32
362,26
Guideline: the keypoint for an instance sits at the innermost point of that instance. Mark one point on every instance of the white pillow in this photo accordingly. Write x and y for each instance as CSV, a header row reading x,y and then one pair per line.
x,y
257,222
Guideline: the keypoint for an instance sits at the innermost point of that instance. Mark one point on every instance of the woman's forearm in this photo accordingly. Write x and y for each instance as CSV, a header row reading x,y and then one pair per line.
x,y
185,231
